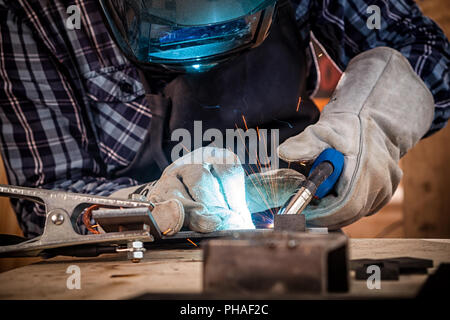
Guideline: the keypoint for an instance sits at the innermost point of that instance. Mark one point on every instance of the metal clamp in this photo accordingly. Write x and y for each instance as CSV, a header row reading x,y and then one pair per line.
x,y
62,211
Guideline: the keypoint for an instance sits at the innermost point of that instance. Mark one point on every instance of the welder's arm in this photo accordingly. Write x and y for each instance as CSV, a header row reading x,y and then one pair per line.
x,y
342,27
379,111
209,183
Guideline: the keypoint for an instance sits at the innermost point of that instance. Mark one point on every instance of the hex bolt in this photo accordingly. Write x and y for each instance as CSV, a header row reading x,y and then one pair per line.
x,y
136,256
135,251
136,244
57,218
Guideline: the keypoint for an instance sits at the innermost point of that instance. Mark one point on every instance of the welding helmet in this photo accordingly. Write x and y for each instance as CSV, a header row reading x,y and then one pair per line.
x,y
186,35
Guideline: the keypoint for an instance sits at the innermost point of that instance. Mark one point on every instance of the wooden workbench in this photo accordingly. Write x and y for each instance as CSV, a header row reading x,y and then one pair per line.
x,y
179,271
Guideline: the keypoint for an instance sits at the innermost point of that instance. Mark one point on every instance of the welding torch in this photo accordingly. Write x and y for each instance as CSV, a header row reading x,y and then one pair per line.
x,y
323,176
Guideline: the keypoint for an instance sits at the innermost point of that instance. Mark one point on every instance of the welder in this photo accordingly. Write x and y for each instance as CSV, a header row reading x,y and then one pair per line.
x,y
92,109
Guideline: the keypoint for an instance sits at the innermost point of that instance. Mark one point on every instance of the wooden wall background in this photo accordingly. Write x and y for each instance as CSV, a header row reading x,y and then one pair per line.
x,y
426,206
421,208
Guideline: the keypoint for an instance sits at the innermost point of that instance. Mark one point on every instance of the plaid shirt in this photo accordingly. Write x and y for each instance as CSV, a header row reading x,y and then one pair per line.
x,y
73,110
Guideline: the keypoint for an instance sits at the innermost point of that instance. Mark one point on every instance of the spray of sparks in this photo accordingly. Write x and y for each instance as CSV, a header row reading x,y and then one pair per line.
x,y
267,189
298,104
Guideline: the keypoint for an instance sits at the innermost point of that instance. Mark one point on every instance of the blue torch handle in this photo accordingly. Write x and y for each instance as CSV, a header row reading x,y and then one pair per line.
x,y
336,159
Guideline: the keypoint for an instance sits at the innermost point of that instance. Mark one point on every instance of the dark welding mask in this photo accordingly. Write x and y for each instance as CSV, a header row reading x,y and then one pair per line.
x,y
187,35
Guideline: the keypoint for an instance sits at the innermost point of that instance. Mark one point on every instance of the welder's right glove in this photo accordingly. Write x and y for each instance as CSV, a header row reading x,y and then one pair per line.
x,y
380,110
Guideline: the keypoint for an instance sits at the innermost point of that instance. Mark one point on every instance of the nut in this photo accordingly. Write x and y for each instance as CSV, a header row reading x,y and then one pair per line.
x,y
135,250
136,245
136,255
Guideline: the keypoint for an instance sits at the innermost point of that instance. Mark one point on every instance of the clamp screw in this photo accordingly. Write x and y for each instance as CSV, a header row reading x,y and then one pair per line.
x,y
57,218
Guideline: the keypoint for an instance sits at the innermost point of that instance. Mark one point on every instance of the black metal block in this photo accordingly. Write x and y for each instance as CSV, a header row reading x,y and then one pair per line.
x,y
280,262
391,268
388,270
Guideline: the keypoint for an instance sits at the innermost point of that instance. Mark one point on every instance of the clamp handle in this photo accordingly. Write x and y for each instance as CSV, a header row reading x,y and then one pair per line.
x,y
336,159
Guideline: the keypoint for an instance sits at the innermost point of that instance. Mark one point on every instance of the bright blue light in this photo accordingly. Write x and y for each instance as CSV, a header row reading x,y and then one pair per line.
x,y
194,68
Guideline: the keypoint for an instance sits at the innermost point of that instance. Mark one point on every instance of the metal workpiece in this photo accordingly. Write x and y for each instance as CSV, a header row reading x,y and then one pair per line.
x,y
290,222
279,263
295,223
126,219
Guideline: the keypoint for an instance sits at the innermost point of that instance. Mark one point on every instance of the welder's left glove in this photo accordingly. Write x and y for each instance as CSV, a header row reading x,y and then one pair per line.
x,y
379,111
210,185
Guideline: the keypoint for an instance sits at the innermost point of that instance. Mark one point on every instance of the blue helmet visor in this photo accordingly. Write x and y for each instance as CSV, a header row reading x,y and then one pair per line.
x,y
183,34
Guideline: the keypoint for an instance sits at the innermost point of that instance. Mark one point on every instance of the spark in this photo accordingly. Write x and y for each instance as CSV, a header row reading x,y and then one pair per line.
x,y
320,55
298,104
253,171
191,242
245,122
167,231
270,186
185,148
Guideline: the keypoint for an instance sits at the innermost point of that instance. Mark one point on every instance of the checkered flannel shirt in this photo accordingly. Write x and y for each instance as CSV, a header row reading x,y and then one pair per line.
x,y
73,111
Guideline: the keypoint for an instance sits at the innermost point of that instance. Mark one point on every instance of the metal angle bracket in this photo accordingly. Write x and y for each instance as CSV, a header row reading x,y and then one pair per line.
x,y
277,262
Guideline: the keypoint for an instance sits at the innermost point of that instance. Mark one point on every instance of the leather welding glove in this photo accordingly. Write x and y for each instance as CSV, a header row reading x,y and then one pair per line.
x,y
210,185
379,111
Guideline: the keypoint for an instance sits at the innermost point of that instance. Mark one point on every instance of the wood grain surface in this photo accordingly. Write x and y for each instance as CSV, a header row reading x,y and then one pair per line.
x,y
179,271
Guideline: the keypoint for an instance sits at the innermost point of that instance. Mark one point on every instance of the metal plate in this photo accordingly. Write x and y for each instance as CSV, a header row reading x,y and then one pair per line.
x,y
283,262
